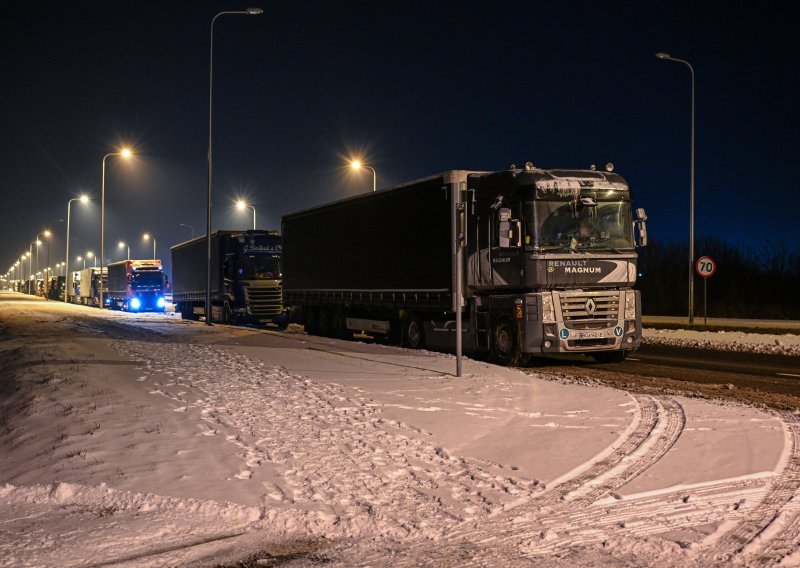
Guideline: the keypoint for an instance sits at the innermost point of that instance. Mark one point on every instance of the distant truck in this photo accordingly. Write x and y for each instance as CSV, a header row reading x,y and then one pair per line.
x,y
545,262
86,286
246,277
136,286
55,288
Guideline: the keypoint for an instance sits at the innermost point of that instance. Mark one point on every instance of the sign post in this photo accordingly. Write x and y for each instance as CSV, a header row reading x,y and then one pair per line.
x,y
705,268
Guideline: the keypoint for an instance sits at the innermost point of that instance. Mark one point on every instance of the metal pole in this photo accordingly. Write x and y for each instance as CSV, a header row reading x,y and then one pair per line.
x,y
374,177
102,228
66,269
254,217
250,11
668,57
154,248
705,301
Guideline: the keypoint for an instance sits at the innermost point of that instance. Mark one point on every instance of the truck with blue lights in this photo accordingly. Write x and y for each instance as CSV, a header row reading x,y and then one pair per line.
x,y
136,286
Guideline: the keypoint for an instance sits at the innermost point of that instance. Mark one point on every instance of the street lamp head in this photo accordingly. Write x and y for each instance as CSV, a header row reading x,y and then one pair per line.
x,y
254,11
146,236
355,164
241,204
662,55
90,254
126,153
46,233
80,258
84,198
121,245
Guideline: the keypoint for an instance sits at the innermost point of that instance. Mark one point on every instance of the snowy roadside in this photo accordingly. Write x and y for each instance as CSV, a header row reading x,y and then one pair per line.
x,y
143,442
783,344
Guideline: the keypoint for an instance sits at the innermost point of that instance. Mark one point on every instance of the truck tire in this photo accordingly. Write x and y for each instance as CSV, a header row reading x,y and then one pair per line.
x,y
609,356
324,322
504,344
339,325
311,320
413,333
227,314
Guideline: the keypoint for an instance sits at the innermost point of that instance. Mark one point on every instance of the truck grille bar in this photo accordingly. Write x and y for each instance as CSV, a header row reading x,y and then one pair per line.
x,y
264,302
587,307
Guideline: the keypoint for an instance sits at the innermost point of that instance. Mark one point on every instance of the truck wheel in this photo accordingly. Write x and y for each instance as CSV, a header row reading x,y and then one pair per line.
x,y
324,322
339,325
227,314
413,333
504,348
610,356
312,321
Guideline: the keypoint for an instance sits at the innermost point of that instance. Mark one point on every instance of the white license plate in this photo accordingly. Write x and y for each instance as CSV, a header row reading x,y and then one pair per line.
x,y
590,334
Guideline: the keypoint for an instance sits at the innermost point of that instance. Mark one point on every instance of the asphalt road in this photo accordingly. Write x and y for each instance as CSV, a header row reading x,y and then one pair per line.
x,y
767,373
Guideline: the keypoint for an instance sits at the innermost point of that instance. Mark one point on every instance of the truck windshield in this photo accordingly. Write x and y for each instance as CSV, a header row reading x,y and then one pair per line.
x,y
148,280
253,267
556,226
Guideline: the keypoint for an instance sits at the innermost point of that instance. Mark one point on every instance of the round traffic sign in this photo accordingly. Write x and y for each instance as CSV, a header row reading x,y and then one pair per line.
x,y
705,267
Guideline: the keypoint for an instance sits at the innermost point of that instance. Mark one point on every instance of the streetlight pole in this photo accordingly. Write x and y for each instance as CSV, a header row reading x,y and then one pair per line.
x,y
357,165
242,205
120,245
125,153
250,12
146,237
190,228
82,199
668,57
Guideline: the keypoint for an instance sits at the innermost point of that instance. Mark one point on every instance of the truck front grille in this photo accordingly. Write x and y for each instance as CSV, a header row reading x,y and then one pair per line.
x,y
264,303
589,308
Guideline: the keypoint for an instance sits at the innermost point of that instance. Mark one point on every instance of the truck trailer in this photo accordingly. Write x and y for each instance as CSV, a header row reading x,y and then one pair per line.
x,y
246,277
537,261
136,286
87,286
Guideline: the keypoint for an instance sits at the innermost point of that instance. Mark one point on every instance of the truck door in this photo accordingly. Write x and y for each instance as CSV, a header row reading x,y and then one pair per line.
x,y
505,253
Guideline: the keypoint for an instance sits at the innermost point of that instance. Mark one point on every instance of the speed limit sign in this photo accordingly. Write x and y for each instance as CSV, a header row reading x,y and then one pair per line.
x,y
705,267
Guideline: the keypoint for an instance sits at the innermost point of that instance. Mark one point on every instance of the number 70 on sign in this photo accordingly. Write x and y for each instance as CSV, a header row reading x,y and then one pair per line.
x,y
705,267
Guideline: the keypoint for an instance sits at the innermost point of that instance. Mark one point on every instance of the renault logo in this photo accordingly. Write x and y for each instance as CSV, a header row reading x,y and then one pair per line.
x,y
590,306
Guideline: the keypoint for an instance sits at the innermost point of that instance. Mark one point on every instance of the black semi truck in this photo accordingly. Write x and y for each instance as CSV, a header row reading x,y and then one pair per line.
x,y
538,261
246,277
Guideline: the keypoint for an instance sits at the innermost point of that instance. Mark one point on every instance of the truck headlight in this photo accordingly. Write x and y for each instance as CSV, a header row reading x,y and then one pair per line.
x,y
548,311
630,304
135,303
160,302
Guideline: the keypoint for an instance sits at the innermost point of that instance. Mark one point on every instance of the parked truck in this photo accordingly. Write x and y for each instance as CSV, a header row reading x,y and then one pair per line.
x,y
537,261
55,288
136,286
246,277
88,286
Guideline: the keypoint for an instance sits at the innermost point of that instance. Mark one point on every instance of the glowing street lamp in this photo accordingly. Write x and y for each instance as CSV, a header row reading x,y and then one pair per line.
x,y
249,12
147,237
90,254
83,199
123,245
125,153
357,165
241,205
668,57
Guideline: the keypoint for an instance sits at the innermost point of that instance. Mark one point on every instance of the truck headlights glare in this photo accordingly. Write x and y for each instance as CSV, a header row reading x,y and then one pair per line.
x,y
160,302
135,304
548,312
630,304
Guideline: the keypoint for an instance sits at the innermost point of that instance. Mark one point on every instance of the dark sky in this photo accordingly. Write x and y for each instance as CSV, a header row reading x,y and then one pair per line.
x,y
415,88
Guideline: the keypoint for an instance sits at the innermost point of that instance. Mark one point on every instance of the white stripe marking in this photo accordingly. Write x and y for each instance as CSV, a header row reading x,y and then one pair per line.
x,y
632,359
788,375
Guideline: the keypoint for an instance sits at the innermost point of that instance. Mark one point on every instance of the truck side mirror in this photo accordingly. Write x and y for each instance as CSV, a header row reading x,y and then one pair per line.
x,y
641,218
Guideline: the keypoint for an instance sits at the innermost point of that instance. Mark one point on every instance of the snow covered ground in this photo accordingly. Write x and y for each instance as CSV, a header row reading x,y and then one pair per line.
x,y
142,440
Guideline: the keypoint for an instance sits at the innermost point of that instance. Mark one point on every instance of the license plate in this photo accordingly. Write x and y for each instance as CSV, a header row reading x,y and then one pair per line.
x,y
590,334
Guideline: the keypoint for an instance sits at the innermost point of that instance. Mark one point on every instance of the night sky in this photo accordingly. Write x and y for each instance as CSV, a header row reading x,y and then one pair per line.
x,y
413,88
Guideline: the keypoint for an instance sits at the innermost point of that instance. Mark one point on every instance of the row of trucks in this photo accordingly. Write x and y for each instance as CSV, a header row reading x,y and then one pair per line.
x,y
535,261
